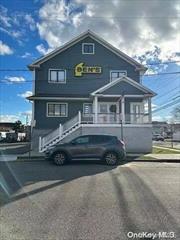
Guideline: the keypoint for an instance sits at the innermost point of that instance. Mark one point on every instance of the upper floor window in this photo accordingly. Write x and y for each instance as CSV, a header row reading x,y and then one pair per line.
x,y
114,74
88,48
57,76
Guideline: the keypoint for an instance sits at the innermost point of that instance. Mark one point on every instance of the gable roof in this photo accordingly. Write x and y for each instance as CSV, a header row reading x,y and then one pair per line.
x,y
75,40
125,79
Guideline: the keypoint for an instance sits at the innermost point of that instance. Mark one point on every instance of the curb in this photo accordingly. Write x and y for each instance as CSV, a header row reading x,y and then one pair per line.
x,y
158,160
31,159
41,159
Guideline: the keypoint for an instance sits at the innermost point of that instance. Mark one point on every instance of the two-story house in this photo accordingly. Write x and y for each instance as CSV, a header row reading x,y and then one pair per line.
x,y
87,86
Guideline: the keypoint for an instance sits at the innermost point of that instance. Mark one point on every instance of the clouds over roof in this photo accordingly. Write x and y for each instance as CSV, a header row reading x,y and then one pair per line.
x,y
133,26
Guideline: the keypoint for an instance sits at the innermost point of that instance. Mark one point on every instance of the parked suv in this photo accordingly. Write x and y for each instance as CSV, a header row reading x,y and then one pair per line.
x,y
103,147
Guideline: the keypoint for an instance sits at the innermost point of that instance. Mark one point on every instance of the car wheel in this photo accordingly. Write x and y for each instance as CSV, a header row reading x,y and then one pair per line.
x,y
59,158
111,158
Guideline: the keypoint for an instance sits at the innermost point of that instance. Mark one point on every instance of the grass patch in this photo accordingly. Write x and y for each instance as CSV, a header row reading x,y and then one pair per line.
x,y
164,151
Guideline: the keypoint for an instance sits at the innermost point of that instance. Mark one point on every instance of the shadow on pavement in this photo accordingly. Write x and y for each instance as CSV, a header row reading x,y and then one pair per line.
x,y
15,175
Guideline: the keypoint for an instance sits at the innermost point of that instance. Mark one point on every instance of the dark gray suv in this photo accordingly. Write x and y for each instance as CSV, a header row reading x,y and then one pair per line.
x,y
104,147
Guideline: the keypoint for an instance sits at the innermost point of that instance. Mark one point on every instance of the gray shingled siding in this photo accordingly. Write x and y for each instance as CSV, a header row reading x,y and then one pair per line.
x,y
123,88
44,122
88,82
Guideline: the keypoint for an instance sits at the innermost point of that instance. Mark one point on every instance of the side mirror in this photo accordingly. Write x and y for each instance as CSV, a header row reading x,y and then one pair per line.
x,y
73,143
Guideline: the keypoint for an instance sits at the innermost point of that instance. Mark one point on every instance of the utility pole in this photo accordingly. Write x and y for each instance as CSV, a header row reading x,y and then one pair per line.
x,y
171,135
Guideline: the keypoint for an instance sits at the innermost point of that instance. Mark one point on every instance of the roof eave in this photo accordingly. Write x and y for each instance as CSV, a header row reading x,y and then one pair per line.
x,y
31,67
79,38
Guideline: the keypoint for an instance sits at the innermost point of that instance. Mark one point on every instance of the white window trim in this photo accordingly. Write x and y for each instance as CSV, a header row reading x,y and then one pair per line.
x,y
123,71
141,104
89,44
56,103
83,108
56,69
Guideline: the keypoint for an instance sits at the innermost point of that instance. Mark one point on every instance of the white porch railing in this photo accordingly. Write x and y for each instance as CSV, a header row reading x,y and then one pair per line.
x,y
59,133
115,118
103,118
72,122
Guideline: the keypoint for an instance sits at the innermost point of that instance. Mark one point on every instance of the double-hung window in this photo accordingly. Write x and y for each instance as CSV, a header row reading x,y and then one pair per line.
x,y
114,74
57,76
57,109
88,48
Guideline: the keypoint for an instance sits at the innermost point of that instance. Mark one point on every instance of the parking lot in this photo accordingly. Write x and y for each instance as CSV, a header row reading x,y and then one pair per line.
x,y
88,200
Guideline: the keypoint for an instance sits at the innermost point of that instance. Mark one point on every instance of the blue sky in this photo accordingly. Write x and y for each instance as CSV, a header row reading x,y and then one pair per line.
x,y
30,29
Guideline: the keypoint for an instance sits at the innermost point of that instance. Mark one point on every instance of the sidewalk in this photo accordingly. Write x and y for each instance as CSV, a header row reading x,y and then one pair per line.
x,y
7,158
34,156
159,157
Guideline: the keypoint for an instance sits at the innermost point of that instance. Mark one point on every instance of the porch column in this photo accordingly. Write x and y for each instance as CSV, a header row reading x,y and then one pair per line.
x,y
149,111
96,109
123,109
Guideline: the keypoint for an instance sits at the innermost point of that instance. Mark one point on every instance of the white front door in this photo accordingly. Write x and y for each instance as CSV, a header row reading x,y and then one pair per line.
x,y
107,112
136,112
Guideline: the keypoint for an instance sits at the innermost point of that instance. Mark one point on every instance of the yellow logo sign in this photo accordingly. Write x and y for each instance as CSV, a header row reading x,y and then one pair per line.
x,y
81,69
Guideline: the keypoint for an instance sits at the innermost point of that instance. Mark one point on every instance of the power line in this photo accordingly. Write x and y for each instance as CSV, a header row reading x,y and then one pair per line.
x,y
157,81
157,74
160,63
5,81
166,93
165,106
172,98
148,64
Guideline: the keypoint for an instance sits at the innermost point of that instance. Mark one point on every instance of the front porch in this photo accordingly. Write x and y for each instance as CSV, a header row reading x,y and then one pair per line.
x,y
121,108
118,110
80,125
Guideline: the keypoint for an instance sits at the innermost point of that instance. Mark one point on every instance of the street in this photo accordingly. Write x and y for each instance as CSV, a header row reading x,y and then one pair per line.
x,y
88,201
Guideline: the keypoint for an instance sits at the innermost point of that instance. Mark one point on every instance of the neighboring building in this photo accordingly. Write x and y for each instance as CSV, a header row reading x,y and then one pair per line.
x,y
88,86
6,126
176,132
162,128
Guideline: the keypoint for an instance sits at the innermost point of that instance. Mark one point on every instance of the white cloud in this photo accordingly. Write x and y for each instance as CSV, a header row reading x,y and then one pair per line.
x,y
134,27
30,21
4,19
151,71
5,49
15,34
25,94
14,117
9,118
27,113
26,55
159,118
10,79
42,50
16,24
153,106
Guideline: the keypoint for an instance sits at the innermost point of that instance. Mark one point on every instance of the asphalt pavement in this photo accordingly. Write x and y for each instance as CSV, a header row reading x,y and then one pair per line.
x,y
89,201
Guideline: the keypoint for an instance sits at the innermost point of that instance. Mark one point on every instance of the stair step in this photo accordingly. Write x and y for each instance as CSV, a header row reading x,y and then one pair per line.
x,y
58,139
